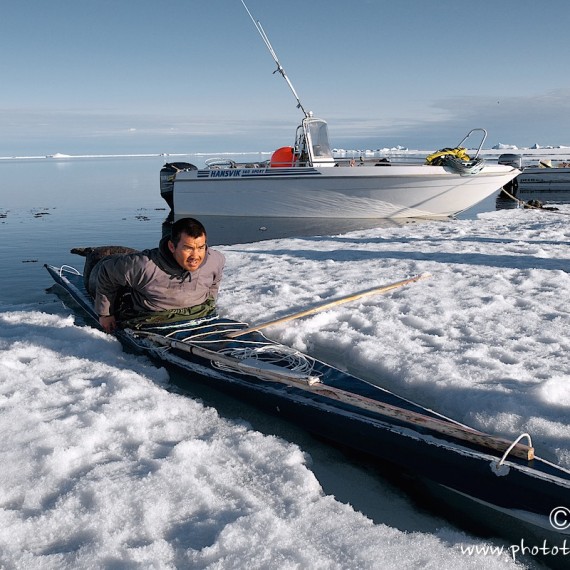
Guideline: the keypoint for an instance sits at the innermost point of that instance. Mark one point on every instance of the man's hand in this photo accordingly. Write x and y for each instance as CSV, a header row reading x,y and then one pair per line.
x,y
108,323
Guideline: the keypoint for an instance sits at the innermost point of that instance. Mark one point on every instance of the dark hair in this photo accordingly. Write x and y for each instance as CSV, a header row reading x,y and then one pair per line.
x,y
188,226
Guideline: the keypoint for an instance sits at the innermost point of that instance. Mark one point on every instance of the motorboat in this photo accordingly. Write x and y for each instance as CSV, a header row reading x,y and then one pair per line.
x,y
544,181
306,180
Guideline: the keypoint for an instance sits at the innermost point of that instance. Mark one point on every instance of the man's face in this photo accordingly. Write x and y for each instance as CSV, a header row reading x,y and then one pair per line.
x,y
190,252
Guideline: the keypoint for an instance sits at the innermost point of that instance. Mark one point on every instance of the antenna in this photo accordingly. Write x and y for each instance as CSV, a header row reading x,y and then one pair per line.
x,y
279,69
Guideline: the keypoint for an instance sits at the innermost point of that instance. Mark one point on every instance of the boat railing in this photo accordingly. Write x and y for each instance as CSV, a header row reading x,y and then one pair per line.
x,y
483,138
228,163
219,163
378,160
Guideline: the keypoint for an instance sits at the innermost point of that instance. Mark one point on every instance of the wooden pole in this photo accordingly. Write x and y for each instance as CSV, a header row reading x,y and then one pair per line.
x,y
274,373
330,304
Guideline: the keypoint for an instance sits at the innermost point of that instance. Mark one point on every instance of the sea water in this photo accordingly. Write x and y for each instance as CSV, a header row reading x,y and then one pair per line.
x,y
50,205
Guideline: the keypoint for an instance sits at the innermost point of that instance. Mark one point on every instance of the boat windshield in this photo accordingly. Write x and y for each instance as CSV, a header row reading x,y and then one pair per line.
x,y
318,136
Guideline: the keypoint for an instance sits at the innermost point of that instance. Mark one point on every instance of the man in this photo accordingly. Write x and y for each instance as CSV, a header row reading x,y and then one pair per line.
x,y
177,280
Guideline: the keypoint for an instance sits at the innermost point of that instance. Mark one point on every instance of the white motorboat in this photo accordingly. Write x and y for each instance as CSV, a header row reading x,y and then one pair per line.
x,y
306,181
543,181
544,184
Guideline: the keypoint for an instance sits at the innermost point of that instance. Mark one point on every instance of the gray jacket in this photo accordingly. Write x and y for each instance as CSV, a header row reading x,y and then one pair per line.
x,y
155,280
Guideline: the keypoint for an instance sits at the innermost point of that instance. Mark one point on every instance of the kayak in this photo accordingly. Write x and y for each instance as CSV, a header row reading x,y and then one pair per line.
x,y
474,468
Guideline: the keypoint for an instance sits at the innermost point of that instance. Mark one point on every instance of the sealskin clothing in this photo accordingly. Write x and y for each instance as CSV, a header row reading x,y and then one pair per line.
x,y
155,281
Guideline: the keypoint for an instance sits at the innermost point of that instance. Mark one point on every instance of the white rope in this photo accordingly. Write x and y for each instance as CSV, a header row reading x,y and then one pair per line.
x,y
213,336
464,168
530,206
513,444
69,269
277,355
235,325
288,360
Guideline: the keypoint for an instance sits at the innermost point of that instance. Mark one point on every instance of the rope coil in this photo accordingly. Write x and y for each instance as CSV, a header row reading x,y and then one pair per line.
x,y
288,359
456,159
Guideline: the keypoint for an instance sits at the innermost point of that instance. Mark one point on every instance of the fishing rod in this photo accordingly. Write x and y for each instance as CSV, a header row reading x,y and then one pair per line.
x,y
279,69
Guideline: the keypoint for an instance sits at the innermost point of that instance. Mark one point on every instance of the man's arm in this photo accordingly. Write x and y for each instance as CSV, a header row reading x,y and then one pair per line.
x,y
215,286
113,276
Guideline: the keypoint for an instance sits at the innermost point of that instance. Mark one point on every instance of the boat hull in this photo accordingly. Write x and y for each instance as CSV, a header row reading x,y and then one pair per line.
x,y
547,184
334,192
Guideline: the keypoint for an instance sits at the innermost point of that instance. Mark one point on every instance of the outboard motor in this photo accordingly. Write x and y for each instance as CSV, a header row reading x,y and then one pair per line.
x,y
514,160
167,176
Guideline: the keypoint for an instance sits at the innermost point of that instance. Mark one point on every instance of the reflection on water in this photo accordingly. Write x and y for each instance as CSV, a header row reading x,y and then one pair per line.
x,y
506,202
517,197
550,196
227,230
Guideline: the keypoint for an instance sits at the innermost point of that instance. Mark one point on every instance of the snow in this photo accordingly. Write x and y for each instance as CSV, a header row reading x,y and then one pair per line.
x,y
103,467
529,154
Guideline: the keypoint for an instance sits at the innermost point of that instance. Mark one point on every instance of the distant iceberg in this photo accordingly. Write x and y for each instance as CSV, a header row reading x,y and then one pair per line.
x,y
344,152
501,146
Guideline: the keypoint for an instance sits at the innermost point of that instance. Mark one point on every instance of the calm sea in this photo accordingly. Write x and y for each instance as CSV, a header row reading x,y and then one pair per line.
x,y
49,205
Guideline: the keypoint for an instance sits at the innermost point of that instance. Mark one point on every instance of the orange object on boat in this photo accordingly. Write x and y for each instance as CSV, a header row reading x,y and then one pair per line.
x,y
282,157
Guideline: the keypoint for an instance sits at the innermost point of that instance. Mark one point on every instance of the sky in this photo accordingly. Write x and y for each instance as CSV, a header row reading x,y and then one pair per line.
x,y
180,76
91,439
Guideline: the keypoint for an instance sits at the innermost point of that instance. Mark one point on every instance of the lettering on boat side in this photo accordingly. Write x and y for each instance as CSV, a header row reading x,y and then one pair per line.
x,y
256,172
235,172
225,173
